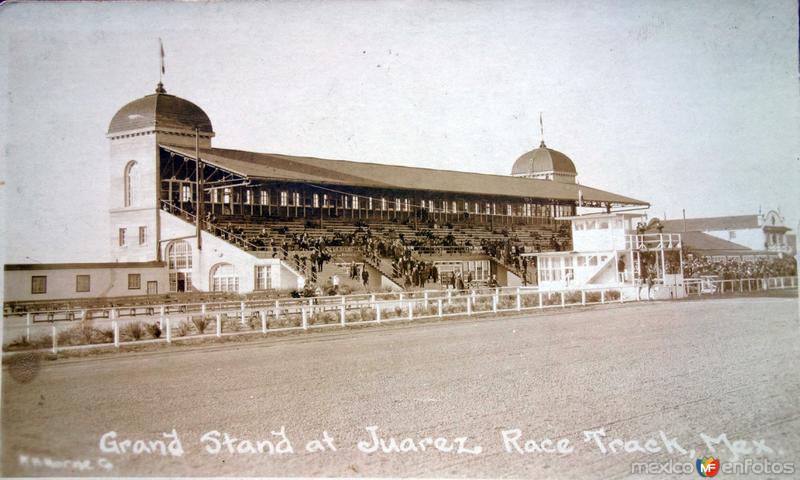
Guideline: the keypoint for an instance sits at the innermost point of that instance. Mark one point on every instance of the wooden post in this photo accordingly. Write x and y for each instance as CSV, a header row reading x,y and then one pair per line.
x,y
440,307
562,298
28,323
277,309
411,310
241,312
583,297
263,314
304,315
519,300
540,299
602,296
342,314
115,326
469,305
169,330
55,337
378,312
219,325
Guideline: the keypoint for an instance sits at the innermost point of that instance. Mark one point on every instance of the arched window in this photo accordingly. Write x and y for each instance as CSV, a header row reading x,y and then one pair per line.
x,y
179,265
224,278
130,183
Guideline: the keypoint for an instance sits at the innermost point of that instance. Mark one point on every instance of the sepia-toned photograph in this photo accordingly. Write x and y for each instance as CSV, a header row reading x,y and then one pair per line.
x,y
400,239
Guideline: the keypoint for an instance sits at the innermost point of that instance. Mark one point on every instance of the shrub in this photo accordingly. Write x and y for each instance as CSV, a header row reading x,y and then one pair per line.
x,y
184,328
592,297
153,329
572,297
612,295
325,318
551,299
254,320
105,335
231,323
366,314
200,322
133,330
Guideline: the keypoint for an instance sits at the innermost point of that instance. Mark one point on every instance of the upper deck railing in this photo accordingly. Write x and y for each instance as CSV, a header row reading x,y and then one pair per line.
x,y
653,241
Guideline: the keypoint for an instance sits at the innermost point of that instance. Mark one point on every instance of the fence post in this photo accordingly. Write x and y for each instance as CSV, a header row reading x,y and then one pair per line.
x,y
115,327
494,303
602,296
562,298
411,310
449,297
55,338
519,301
263,314
378,312
782,284
28,323
440,307
426,299
469,305
203,309
540,299
219,324
342,314
169,331
583,297
304,315
277,308
241,312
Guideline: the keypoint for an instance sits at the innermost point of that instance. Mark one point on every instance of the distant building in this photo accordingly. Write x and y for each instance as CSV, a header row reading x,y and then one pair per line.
x,y
734,236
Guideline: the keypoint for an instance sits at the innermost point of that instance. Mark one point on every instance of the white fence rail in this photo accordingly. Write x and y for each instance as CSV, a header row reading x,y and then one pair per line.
x,y
72,329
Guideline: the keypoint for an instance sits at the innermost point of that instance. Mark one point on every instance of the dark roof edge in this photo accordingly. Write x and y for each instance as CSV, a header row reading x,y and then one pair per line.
x,y
80,266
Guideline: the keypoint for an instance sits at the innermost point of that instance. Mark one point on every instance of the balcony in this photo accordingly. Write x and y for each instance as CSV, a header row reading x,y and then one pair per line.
x,y
653,241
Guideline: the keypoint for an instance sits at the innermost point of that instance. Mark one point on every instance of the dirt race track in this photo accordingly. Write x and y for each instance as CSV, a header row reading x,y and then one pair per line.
x,y
713,367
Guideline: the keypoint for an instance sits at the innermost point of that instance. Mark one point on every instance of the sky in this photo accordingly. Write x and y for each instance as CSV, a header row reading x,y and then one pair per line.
x,y
687,105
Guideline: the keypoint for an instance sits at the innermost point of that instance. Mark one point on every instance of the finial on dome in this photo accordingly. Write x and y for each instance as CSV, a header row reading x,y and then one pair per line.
x,y
162,71
541,130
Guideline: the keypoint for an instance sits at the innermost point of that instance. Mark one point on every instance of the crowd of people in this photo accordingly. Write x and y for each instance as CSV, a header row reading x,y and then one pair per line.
x,y
697,266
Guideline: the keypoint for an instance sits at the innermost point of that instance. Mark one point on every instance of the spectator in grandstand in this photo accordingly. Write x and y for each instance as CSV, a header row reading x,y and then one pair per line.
x,y
365,277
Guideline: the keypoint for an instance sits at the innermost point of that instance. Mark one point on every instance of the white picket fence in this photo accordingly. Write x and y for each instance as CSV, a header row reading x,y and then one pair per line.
x,y
61,330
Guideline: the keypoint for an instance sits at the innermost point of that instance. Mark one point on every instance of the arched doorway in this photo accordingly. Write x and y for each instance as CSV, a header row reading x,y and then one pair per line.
x,y
224,278
179,264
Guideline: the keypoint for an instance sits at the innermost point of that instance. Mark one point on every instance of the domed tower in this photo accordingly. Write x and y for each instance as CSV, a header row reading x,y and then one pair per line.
x,y
545,164
134,134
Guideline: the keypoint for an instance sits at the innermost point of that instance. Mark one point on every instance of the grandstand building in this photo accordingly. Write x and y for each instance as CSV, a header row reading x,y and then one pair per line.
x,y
276,222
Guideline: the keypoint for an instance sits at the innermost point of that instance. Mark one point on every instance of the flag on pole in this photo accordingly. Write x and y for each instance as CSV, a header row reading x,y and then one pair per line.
x,y
161,49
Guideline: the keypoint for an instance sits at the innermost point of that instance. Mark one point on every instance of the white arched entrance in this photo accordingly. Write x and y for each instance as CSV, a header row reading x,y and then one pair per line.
x,y
224,278
179,264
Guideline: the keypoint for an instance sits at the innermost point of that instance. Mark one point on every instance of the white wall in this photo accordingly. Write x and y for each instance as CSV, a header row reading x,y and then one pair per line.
x,y
105,281
216,251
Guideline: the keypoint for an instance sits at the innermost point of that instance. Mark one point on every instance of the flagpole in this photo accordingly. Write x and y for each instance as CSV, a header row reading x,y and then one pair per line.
x,y
200,190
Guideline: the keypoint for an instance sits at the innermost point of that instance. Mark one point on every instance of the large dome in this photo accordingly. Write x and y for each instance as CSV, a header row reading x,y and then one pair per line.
x,y
543,160
160,110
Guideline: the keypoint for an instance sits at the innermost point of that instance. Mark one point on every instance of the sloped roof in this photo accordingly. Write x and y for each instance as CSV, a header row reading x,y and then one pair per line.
x,y
736,222
705,242
274,166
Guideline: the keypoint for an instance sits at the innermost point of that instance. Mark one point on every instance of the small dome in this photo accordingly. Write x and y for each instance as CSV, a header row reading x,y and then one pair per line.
x,y
160,110
542,160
